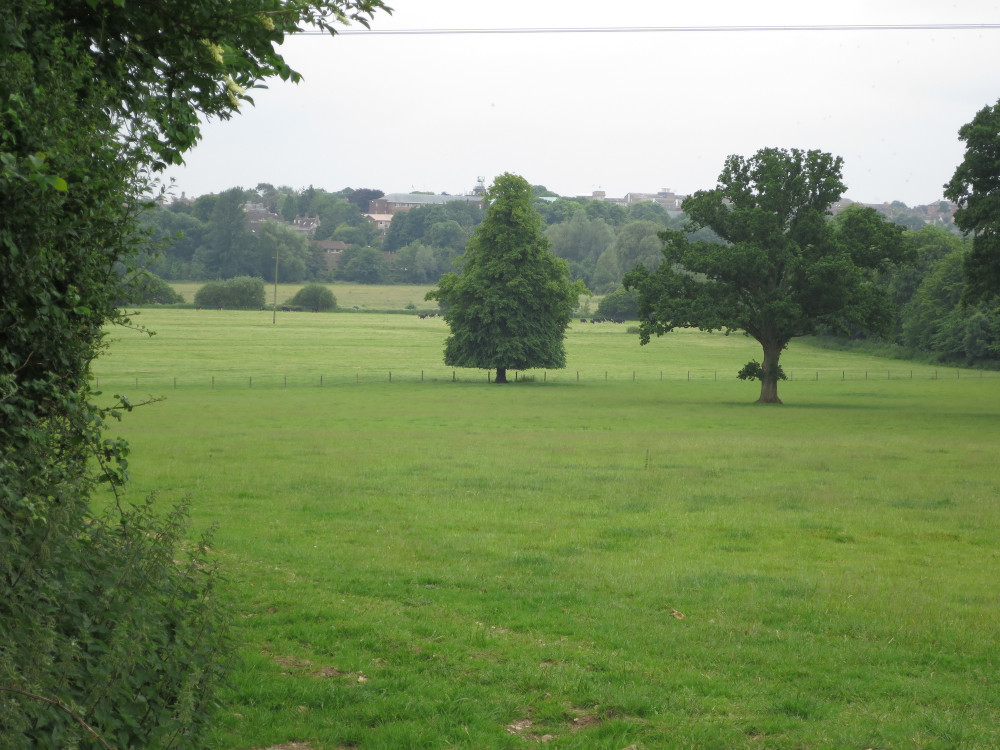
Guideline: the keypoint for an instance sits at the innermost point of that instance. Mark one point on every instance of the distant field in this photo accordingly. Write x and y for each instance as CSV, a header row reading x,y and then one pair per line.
x,y
195,346
595,564
349,296
369,296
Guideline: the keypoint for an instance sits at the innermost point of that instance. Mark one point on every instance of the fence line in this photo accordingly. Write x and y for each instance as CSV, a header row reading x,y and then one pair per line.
x,y
281,380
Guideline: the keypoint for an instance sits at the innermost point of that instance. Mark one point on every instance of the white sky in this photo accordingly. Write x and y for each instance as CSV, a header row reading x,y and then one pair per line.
x,y
619,112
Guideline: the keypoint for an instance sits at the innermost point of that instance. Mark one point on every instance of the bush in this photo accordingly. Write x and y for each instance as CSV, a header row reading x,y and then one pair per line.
x,y
621,304
240,293
147,288
314,297
131,621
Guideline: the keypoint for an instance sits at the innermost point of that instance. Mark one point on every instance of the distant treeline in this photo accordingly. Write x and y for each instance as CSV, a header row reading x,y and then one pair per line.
x,y
210,239
932,320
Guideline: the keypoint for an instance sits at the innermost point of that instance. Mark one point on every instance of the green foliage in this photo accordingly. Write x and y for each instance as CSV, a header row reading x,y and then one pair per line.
x,y
621,304
975,187
511,304
445,226
99,626
753,370
241,293
145,288
135,634
314,297
364,265
290,247
782,269
936,320
580,241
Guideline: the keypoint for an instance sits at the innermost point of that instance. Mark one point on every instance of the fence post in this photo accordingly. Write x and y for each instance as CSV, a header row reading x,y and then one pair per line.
x,y
421,376
605,376
689,376
286,381
452,376
137,382
175,384
251,381
390,376
320,381
633,376
213,381
577,376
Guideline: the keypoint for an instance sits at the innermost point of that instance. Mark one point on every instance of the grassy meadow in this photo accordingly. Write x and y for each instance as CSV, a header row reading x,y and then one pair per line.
x,y
615,561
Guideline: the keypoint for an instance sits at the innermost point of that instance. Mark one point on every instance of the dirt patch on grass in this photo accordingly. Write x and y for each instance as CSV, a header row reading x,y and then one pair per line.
x,y
303,665
522,728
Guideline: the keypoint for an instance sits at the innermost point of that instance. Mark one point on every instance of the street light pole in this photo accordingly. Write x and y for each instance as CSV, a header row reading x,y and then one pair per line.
x,y
274,307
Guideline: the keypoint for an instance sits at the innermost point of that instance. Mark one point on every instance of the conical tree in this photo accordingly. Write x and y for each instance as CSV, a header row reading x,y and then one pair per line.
x,y
509,307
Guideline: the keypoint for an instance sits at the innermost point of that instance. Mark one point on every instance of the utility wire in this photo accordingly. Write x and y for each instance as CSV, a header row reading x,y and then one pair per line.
x,y
672,29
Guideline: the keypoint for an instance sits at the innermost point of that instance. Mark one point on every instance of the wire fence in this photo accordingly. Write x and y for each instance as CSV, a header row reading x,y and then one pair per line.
x,y
228,380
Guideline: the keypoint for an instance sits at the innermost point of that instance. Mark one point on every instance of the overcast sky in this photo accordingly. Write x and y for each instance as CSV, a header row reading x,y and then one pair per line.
x,y
619,112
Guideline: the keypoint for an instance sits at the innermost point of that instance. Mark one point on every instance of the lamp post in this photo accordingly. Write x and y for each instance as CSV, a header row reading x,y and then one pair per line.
x,y
274,307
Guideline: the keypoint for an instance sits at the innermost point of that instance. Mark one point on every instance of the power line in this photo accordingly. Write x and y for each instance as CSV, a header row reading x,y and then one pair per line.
x,y
672,29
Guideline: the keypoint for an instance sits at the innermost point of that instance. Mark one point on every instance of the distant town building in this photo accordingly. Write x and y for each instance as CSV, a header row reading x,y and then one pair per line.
x,y
381,221
665,197
257,212
332,250
305,224
394,202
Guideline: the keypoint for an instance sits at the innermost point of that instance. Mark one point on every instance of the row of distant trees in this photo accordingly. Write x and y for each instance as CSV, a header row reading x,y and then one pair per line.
x,y
209,239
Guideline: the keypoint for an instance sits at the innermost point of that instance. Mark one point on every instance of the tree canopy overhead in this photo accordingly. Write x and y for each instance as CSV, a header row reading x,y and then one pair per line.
x,y
511,304
783,268
975,187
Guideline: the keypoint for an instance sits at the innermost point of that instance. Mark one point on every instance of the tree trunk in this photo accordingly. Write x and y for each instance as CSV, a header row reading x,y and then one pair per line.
x,y
501,375
769,377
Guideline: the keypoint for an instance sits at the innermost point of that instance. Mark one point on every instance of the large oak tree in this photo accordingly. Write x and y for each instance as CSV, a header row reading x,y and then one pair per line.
x,y
783,268
509,307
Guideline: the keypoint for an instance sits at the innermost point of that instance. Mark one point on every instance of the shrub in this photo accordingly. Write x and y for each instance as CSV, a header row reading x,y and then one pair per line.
x,y
147,288
240,293
621,304
131,620
314,297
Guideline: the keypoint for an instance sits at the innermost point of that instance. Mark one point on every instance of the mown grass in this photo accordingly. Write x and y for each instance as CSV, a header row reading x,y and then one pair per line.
x,y
597,564
195,346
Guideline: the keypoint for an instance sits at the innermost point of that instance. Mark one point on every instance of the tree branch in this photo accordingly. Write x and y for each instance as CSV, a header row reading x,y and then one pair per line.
x,y
60,705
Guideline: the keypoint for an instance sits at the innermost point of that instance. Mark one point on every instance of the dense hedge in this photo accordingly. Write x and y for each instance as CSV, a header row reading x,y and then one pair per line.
x,y
240,293
314,297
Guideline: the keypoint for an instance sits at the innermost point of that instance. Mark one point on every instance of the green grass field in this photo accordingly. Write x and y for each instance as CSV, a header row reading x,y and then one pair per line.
x,y
597,563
